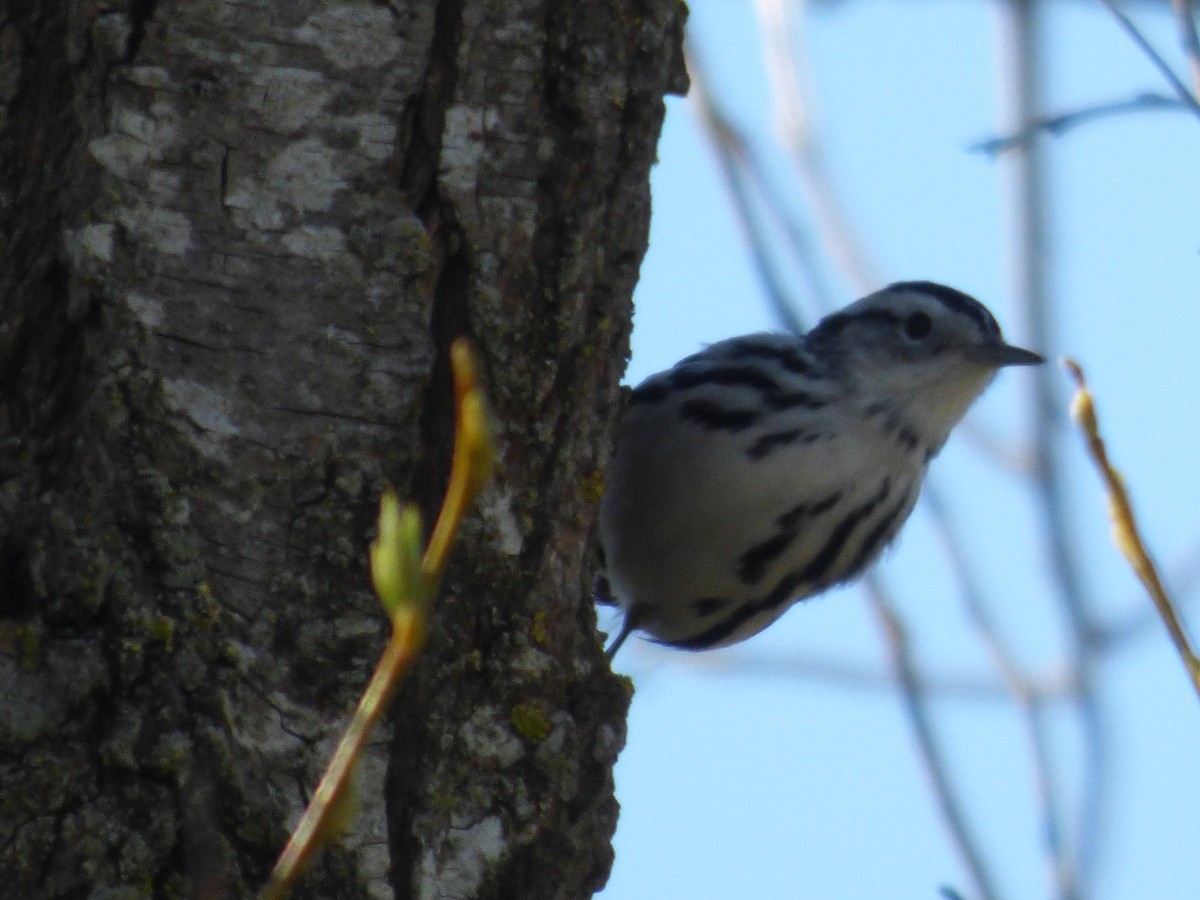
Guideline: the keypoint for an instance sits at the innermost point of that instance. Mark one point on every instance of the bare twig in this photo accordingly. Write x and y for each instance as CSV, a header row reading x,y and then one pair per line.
x,y
1020,687
1057,125
1185,574
1188,37
789,84
1021,62
1153,55
1125,530
1005,453
751,185
914,694
1049,687
733,156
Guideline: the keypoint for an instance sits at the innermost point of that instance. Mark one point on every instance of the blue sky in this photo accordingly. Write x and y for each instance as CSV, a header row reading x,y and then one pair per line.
x,y
744,777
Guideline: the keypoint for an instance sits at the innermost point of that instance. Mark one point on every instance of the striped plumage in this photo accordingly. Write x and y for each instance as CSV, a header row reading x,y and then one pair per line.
x,y
767,468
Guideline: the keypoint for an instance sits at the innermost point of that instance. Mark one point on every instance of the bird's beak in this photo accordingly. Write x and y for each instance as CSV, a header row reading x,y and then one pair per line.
x,y
1005,355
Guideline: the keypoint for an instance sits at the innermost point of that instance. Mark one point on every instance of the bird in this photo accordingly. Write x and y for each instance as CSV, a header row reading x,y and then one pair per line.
x,y
768,468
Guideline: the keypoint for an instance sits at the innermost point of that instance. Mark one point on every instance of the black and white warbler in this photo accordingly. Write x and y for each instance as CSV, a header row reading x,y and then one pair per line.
x,y
768,468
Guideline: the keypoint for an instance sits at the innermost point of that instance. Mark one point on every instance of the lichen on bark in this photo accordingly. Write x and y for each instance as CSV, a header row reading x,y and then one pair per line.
x,y
238,240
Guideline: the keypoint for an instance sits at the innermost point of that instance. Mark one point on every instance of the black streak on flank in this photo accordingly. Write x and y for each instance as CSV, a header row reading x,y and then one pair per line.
x,y
907,438
650,391
799,580
789,358
818,569
727,626
707,606
790,519
775,440
771,392
792,400
902,433
879,535
896,428
727,376
752,565
714,417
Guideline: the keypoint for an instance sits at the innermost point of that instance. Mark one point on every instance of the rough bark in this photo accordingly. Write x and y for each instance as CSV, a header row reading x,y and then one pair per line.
x,y
236,241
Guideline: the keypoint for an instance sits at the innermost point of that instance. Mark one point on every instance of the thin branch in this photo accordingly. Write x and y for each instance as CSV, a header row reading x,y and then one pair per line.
x,y
1021,59
1019,685
1188,37
1125,531
749,180
914,694
1059,124
1050,687
405,579
1184,577
789,83
1153,55
1007,455
331,806
732,155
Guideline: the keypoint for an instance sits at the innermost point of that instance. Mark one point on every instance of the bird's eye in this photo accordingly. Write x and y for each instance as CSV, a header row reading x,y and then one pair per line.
x,y
918,326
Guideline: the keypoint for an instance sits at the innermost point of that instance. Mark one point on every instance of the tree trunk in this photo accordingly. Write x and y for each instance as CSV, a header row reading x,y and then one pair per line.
x,y
237,239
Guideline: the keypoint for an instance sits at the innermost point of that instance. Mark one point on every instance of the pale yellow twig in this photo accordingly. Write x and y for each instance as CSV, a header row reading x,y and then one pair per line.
x,y
328,808
406,594
1124,527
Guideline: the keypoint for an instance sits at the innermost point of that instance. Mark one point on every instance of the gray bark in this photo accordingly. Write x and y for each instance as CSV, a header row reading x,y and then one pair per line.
x,y
236,242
